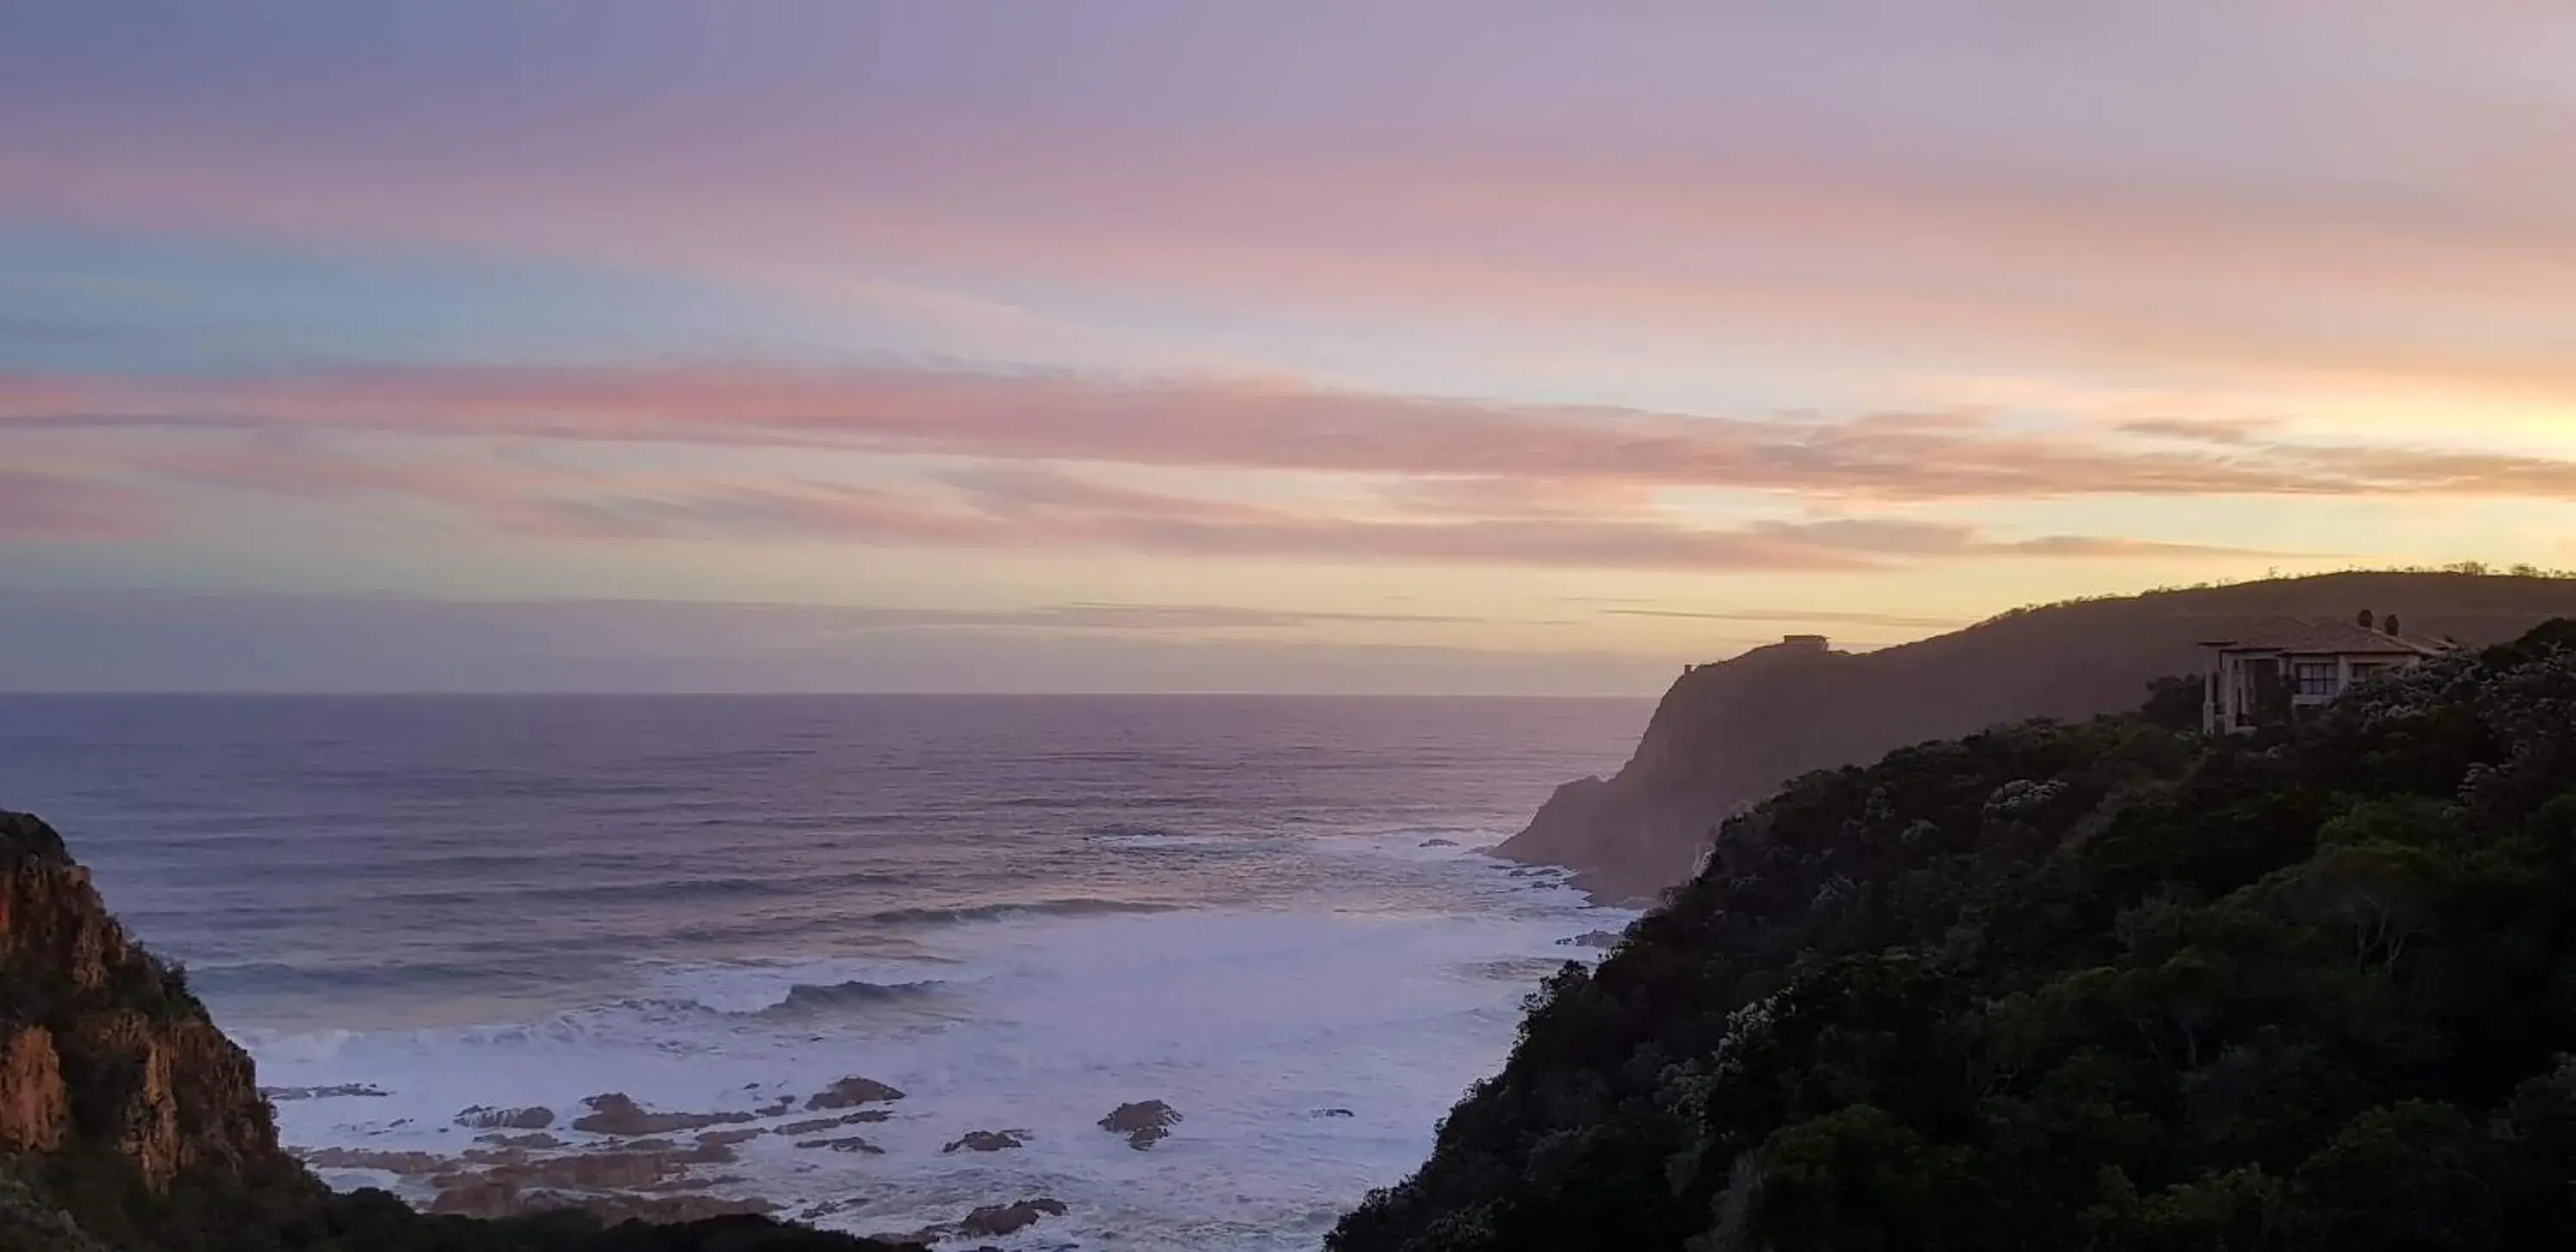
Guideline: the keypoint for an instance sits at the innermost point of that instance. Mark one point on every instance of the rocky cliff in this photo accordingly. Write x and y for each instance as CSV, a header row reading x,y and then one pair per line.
x,y
130,1123
100,1044
1728,734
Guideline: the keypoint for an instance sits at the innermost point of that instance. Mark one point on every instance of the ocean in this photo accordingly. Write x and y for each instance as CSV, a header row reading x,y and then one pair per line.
x,y
1269,913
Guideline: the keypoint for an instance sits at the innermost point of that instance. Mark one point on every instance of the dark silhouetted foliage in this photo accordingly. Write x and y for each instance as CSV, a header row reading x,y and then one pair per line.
x,y
2174,702
2101,987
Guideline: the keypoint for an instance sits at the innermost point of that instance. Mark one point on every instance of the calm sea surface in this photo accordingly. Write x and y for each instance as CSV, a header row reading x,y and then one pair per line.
x,y
1023,911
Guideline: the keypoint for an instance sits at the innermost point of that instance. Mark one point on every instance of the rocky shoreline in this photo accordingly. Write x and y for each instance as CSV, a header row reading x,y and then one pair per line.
x,y
128,1121
618,1159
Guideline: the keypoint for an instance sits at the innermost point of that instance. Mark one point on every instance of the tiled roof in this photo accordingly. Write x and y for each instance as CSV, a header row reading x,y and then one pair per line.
x,y
2312,635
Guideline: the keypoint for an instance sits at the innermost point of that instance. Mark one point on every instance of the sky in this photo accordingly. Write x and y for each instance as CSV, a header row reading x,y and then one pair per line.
x,y
1490,347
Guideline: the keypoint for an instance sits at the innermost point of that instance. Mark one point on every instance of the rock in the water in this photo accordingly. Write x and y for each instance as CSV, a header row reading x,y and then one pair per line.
x,y
985,1141
846,1143
283,1094
1439,843
825,1208
994,1220
615,1113
1145,1122
655,1209
540,1140
490,1197
810,1125
1333,1113
411,1164
851,1091
727,1138
481,1117
1591,939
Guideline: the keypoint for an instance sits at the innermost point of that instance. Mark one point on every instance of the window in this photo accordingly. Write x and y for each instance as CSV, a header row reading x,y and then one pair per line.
x,y
2260,695
2314,678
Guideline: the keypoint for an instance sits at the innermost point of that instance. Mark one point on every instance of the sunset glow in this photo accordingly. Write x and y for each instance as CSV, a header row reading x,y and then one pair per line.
x,y
1314,347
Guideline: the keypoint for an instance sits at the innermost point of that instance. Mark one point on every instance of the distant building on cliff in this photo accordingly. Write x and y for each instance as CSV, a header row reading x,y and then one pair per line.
x,y
2278,669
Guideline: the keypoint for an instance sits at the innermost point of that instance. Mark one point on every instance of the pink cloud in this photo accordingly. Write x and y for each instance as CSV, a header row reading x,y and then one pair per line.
x,y
53,508
1449,445
2204,269
1032,508
1036,506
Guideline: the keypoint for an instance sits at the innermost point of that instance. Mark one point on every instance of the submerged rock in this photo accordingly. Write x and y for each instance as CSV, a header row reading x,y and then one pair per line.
x,y
851,1091
985,1141
410,1164
616,1113
1332,1113
1439,843
846,1143
989,1221
1144,1122
993,1220
539,1140
1591,939
283,1094
810,1125
499,1197
656,1209
482,1117
825,1208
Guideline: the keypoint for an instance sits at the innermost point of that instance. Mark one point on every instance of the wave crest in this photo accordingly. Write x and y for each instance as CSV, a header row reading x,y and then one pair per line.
x,y
1066,906
805,997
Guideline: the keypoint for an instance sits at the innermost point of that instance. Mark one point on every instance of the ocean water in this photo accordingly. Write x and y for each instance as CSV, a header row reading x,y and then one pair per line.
x,y
1021,911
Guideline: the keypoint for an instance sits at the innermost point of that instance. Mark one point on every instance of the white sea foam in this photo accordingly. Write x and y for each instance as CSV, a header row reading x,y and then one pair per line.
x,y
1250,1022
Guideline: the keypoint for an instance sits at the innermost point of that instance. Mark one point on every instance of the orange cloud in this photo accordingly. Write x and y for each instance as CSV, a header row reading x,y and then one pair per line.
x,y
1588,458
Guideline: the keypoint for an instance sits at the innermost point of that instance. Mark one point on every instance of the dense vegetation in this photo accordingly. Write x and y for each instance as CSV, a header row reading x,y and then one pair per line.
x,y
2099,986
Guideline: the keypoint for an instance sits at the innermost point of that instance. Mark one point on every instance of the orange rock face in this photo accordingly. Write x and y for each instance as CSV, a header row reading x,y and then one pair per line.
x,y
34,1105
105,1044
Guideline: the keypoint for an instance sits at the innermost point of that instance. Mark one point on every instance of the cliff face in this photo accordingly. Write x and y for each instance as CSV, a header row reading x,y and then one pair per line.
x,y
129,1123
102,1046
1728,734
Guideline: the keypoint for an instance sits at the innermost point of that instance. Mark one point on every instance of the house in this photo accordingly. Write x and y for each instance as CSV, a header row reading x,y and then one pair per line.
x,y
2274,670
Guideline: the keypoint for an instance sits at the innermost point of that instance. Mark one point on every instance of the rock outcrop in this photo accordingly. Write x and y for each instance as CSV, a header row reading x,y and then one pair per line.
x,y
104,1044
130,1123
993,1221
1144,1122
985,1141
616,1113
480,1117
996,1220
35,1106
851,1092
1727,735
